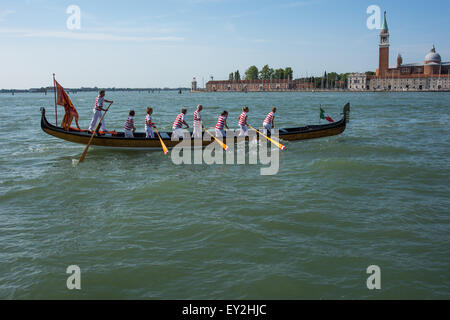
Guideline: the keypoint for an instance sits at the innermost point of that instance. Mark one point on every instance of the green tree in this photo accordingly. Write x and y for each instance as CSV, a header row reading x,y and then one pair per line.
x,y
279,74
318,82
344,77
333,76
288,73
237,75
231,77
266,73
251,73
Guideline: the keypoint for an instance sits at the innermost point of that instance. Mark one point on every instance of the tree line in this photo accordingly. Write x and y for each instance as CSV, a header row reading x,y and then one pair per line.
x,y
266,73
331,80
327,81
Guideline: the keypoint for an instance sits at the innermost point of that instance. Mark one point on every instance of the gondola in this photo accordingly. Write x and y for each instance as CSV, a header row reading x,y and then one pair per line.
x,y
117,139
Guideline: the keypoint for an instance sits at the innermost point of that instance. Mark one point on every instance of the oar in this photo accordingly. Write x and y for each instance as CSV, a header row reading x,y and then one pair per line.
x,y
162,142
93,134
218,141
279,145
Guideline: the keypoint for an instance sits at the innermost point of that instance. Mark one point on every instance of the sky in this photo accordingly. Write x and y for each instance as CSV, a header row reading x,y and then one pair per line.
x,y
167,43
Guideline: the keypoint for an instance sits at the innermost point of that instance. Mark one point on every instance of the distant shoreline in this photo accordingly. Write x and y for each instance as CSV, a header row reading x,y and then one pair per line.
x,y
323,90
187,90
76,90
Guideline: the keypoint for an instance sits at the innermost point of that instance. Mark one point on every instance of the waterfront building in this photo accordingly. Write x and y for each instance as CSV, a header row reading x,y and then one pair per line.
x,y
432,75
272,85
357,81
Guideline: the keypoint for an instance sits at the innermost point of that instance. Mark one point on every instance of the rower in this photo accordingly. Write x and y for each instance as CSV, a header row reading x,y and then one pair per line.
x,y
149,124
269,121
98,108
178,124
221,123
243,122
129,128
197,134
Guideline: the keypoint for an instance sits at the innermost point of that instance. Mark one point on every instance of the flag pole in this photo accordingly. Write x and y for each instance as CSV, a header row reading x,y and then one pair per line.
x,y
56,110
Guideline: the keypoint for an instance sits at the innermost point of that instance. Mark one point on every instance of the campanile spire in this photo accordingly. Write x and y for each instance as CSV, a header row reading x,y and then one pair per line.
x,y
384,49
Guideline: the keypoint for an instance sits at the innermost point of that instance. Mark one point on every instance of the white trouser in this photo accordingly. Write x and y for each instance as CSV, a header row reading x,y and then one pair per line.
x,y
244,131
197,133
177,133
220,133
129,134
267,127
97,116
149,132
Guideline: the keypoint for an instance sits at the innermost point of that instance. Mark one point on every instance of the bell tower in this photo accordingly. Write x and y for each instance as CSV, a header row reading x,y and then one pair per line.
x,y
194,85
399,60
384,49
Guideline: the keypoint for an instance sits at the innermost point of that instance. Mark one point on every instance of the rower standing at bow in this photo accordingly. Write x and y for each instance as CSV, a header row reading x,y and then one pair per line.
x,y
98,108
243,122
197,133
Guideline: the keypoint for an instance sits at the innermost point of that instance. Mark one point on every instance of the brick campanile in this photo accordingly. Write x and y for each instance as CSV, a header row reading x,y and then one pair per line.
x,y
384,49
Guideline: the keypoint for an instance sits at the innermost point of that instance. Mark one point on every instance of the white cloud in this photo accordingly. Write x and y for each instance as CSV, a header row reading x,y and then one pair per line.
x,y
89,36
146,29
5,13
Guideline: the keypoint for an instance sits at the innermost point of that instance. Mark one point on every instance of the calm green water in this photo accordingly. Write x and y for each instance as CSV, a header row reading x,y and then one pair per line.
x,y
141,227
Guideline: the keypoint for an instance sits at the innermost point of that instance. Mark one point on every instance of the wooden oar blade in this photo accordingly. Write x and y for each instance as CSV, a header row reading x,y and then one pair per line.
x,y
163,145
279,145
83,155
224,146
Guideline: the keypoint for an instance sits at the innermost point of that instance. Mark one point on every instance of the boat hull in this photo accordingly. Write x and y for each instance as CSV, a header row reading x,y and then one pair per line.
x,y
140,142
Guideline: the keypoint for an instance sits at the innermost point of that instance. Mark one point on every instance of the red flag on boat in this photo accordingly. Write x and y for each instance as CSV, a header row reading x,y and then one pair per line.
x,y
63,99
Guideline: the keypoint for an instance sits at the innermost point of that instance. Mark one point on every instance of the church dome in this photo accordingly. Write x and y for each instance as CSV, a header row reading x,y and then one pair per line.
x,y
433,56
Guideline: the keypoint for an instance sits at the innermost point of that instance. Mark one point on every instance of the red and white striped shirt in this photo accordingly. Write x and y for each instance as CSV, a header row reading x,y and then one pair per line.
x,y
197,116
129,124
221,122
243,119
269,118
178,123
99,103
148,121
